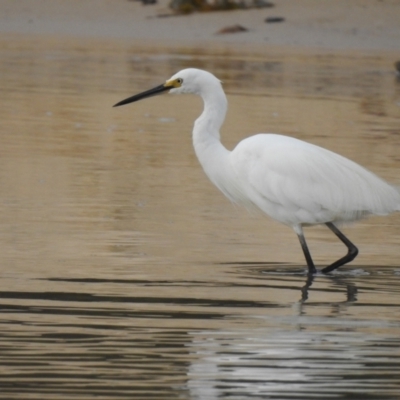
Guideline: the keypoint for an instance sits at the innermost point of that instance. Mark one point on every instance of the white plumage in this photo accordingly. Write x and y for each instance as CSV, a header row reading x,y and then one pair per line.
x,y
305,184
294,182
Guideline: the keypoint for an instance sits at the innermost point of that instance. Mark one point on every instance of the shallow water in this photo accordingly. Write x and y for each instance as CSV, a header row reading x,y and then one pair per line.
x,y
125,274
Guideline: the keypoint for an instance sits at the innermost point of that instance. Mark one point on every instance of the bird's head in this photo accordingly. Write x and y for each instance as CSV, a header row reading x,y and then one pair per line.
x,y
188,80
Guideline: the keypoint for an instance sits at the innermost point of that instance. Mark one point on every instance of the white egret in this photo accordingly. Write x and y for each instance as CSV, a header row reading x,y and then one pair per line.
x,y
294,182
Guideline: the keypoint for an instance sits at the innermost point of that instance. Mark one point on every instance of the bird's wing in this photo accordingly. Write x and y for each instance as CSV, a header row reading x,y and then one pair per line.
x,y
306,183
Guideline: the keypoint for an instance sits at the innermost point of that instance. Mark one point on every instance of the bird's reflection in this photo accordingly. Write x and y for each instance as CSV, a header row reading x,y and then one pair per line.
x,y
302,343
351,288
304,289
278,276
397,69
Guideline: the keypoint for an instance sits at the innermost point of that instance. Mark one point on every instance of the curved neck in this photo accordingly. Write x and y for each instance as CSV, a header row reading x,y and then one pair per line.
x,y
207,126
213,156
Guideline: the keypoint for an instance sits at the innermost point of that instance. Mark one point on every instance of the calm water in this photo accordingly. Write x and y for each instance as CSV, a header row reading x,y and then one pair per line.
x,y
126,275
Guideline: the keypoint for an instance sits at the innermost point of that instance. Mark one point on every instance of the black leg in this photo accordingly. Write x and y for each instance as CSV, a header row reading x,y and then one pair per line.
x,y
351,254
307,255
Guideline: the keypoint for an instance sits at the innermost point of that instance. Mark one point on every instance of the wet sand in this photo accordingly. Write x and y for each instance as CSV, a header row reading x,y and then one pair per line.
x,y
362,25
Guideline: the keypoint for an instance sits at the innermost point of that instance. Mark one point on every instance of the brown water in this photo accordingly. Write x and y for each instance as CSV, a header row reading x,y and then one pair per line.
x,y
126,275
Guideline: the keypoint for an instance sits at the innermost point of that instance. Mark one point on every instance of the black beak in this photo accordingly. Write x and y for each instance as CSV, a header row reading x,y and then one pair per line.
x,y
148,93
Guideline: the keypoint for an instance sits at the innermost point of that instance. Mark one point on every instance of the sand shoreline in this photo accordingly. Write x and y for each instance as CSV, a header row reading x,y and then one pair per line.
x,y
362,25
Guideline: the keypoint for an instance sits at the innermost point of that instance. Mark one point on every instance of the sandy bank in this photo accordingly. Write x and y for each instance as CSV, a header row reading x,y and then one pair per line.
x,y
370,25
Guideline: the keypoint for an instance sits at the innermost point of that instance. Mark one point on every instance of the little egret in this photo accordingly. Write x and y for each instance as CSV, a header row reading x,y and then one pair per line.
x,y
294,182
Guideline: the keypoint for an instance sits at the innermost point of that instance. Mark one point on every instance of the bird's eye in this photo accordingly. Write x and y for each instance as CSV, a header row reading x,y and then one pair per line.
x,y
179,80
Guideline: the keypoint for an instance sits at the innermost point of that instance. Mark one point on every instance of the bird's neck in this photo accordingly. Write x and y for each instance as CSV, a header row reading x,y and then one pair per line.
x,y
206,137
207,126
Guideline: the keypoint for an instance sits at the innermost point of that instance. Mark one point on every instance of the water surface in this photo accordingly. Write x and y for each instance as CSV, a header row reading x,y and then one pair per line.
x,y
126,274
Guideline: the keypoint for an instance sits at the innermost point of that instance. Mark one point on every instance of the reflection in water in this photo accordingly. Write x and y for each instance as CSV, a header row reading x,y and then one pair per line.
x,y
114,246
299,365
204,342
335,357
